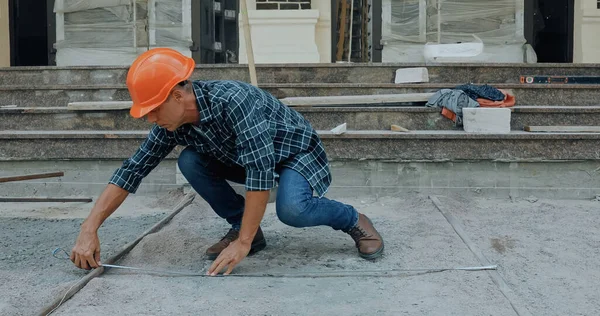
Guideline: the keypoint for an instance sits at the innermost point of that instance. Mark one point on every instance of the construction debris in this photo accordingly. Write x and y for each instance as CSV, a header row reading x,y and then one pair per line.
x,y
340,129
381,99
412,75
563,129
486,120
531,199
398,128
99,105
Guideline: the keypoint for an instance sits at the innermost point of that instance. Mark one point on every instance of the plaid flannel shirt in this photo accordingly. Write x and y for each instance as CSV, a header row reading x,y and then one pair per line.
x,y
239,125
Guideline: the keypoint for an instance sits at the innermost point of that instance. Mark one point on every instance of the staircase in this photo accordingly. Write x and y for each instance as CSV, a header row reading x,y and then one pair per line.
x,y
41,134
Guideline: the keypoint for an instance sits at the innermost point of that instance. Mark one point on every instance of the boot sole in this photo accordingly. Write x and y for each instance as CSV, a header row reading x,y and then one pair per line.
x,y
372,256
376,254
256,247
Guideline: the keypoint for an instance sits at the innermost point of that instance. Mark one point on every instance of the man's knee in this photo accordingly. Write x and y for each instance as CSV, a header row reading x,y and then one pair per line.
x,y
291,212
187,160
191,162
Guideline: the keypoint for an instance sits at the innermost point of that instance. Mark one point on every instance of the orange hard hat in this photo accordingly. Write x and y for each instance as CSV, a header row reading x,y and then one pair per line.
x,y
153,75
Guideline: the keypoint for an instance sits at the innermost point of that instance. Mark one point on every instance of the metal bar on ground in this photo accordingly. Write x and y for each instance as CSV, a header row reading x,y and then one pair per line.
x,y
248,40
44,199
496,277
32,176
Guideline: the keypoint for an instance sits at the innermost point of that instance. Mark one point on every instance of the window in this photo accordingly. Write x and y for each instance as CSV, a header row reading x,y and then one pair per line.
x,y
282,4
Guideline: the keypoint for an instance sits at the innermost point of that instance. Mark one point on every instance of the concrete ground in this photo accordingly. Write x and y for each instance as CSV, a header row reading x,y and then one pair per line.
x,y
30,278
547,251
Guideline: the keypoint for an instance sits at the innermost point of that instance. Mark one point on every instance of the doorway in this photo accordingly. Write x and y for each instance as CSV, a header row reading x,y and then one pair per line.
x,y
549,26
31,32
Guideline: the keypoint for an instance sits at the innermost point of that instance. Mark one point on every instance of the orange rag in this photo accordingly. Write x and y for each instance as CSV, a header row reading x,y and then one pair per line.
x,y
509,100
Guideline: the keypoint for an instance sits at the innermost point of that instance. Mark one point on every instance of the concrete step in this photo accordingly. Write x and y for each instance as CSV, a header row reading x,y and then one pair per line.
x,y
322,118
303,73
563,180
386,145
61,95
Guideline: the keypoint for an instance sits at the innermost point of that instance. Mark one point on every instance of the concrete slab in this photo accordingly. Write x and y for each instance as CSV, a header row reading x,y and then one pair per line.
x,y
416,236
412,75
487,120
498,179
548,250
30,277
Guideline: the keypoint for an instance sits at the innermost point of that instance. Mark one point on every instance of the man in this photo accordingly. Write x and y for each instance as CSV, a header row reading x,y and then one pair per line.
x,y
232,131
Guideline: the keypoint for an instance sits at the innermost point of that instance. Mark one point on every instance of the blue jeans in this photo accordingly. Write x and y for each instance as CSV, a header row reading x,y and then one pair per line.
x,y
296,206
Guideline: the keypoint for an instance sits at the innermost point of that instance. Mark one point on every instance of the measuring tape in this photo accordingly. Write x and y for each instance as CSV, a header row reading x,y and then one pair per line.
x,y
311,274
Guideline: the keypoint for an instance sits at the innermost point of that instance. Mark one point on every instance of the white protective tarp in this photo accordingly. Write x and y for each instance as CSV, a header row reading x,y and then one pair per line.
x,y
409,24
114,32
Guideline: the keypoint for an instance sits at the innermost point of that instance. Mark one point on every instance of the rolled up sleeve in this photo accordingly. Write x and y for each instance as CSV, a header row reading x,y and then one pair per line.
x,y
254,142
153,150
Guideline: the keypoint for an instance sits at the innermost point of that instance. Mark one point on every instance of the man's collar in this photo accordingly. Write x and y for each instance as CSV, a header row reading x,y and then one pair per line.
x,y
202,102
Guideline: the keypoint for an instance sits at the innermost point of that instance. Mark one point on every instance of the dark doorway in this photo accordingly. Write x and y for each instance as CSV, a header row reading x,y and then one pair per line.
x,y
215,31
549,29
29,28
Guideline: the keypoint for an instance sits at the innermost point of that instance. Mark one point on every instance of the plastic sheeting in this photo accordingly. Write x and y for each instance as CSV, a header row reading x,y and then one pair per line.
x,y
114,32
409,24
65,6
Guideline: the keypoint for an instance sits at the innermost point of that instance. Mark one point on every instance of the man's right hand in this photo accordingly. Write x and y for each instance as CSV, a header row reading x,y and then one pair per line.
x,y
86,253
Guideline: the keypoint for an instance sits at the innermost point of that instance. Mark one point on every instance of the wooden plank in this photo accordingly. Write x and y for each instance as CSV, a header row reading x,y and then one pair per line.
x,y
187,200
342,28
563,129
44,199
248,41
32,176
398,128
357,99
351,31
99,105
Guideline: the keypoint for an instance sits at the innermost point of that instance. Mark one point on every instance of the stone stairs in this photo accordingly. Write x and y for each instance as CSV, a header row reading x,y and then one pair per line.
x,y
60,95
322,118
42,131
302,73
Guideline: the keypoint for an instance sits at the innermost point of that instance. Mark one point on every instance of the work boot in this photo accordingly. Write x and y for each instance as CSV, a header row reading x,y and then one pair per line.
x,y
367,239
258,243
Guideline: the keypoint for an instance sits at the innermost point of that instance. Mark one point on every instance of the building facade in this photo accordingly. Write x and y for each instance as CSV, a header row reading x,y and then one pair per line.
x,y
113,32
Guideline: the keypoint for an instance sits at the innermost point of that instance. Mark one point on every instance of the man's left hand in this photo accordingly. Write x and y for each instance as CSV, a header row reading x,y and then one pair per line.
x,y
229,257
